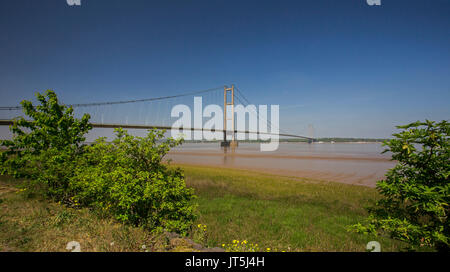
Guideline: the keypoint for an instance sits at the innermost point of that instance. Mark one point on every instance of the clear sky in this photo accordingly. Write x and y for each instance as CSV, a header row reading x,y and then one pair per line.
x,y
350,69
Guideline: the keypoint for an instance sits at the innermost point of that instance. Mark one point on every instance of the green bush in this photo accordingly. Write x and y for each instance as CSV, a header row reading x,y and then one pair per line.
x,y
126,179
45,145
416,192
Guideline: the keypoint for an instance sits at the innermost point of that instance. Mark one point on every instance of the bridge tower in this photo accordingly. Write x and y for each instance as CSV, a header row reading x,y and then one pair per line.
x,y
310,133
228,101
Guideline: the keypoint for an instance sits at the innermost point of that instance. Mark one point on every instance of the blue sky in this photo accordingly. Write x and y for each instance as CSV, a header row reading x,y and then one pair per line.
x,y
350,69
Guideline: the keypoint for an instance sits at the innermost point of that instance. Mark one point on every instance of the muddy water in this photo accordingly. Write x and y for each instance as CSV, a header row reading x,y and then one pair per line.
x,y
352,163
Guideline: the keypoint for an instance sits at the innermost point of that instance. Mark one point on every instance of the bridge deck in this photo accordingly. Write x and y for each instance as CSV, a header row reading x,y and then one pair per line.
x,y
97,125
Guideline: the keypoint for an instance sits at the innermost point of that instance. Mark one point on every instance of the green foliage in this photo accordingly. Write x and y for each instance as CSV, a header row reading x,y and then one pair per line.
x,y
416,192
45,145
126,179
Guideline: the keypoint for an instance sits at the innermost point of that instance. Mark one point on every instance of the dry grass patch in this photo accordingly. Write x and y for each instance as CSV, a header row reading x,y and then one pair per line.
x,y
28,223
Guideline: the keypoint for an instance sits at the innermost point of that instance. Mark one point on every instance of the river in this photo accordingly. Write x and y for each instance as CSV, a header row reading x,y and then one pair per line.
x,y
351,163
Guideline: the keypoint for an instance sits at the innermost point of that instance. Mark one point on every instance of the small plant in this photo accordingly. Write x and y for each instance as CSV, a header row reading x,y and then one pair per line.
x,y
200,234
62,218
242,246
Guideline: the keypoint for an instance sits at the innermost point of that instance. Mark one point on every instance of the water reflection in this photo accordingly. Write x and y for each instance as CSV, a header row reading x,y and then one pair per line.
x,y
228,150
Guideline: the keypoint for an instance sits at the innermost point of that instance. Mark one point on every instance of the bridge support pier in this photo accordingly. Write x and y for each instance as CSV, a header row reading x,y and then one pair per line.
x,y
231,143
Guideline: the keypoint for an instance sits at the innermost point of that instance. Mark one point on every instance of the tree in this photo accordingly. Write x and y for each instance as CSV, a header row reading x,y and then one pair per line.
x,y
45,144
414,207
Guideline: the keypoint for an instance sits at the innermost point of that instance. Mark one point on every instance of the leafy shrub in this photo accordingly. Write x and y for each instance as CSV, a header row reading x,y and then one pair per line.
x,y
126,179
45,145
416,192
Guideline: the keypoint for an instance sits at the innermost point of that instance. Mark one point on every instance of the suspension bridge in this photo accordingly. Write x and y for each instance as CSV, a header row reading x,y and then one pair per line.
x,y
154,113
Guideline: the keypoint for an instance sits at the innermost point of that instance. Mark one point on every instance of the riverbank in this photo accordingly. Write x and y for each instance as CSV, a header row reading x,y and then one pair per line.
x,y
277,213
280,213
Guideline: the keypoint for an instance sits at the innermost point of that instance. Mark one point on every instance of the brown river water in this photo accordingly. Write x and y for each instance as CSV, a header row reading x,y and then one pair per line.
x,y
351,163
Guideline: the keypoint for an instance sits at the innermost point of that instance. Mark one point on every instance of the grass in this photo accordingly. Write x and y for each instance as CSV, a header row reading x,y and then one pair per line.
x,y
276,212
281,213
28,223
